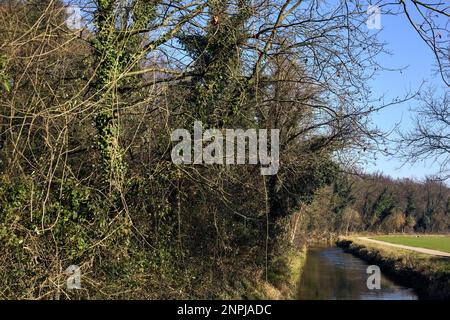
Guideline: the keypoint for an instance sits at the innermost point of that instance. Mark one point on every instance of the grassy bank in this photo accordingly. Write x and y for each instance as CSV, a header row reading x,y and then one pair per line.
x,y
282,278
428,275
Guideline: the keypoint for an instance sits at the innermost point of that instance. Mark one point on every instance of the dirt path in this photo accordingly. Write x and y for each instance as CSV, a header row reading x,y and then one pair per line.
x,y
417,249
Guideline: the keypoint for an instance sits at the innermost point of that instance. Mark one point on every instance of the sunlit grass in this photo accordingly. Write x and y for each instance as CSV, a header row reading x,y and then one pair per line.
x,y
440,243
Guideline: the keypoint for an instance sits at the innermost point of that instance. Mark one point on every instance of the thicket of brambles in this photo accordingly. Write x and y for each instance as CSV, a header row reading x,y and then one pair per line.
x,y
86,176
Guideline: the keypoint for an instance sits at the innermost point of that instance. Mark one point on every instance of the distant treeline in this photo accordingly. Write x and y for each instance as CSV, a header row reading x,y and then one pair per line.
x,y
375,202
402,204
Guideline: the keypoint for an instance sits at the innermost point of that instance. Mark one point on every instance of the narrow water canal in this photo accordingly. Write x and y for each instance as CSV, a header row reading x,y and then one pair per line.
x,y
329,274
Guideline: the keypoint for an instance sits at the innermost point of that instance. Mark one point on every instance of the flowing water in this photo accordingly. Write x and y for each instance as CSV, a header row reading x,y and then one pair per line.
x,y
330,273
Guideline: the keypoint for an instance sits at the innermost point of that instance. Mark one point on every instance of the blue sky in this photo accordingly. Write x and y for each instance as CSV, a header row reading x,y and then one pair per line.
x,y
408,50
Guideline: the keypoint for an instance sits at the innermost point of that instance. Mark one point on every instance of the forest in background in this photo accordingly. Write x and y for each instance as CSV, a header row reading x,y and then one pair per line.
x,y
86,176
378,203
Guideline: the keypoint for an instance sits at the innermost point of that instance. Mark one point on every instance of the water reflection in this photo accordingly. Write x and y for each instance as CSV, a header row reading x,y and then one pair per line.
x,y
330,273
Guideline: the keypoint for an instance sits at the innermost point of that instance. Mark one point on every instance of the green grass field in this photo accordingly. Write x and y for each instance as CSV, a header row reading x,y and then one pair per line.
x,y
441,243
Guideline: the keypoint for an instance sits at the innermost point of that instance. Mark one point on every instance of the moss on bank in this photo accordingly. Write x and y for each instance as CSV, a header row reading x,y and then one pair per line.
x,y
428,275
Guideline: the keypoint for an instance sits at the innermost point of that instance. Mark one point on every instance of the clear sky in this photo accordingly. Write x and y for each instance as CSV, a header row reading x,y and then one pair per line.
x,y
408,50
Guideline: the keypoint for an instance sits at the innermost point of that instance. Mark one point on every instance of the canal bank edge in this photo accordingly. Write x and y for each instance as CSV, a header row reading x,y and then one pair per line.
x,y
283,277
428,275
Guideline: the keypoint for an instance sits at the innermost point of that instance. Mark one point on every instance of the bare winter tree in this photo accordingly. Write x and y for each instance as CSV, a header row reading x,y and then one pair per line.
x,y
430,137
430,19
